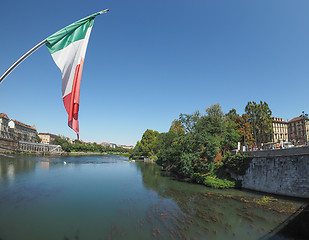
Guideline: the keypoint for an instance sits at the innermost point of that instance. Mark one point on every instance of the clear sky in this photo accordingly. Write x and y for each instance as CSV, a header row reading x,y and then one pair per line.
x,y
148,61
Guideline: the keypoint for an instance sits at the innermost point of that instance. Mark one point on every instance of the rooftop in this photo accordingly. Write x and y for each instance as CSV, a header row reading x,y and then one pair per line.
x,y
296,119
278,120
24,125
3,115
49,134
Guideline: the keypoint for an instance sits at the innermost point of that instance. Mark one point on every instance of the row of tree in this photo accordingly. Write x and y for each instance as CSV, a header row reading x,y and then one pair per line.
x,y
197,143
255,125
79,146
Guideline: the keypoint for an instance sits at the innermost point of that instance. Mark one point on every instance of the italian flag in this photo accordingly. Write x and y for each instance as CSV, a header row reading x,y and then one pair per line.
x,y
68,48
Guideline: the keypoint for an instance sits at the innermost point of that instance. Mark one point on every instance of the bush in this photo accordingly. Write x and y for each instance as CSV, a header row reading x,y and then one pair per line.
x,y
238,163
218,183
197,178
212,181
154,158
185,164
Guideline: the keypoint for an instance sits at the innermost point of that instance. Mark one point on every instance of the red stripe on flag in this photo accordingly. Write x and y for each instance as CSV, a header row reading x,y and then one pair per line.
x,y
67,102
71,101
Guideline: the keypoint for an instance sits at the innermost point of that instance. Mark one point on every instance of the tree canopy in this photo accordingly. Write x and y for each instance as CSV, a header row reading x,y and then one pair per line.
x,y
259,116
198,144
193,143
79,146
147,146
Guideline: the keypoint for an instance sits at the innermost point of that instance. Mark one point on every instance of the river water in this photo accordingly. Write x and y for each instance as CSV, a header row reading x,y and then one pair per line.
x,y
107,197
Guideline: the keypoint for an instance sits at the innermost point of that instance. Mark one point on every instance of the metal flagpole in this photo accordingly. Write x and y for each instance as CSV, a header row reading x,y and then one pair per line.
x,y
104,11
36,47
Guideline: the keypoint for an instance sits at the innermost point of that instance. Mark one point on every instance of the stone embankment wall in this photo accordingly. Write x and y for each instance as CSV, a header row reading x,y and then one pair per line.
x,y
7,145
284,172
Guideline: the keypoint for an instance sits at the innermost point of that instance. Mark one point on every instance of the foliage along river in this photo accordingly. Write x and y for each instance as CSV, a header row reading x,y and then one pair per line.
x,y
107,197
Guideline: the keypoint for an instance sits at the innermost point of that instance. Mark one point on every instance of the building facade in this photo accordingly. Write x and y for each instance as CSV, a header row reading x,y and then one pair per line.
x,y
47,138
280,128
23,132
4,127
15,130
106,144
126,147
298,129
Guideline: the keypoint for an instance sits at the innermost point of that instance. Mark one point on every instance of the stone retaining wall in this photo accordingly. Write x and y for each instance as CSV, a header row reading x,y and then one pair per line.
x,y
275,173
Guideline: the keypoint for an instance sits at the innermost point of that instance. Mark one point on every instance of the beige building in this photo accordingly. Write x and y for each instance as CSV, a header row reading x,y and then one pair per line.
x,y
280,128
298,129
47,138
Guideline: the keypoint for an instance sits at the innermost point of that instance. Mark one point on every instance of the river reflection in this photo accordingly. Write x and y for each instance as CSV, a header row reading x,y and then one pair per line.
x,y
107,197
10,166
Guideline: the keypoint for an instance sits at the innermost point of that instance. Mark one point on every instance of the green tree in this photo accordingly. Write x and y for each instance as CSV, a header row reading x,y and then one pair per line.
x,y
147,146
215,116
65,145
169,149
210,132
148,142
189,121
37,138
243,127
231,136
259,115
232,115
194,143
202,140
245,130
177,127
137,151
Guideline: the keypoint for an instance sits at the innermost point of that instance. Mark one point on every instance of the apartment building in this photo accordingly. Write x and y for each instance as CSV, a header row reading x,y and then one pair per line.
x,y
298,129
280,128
47,137
16,130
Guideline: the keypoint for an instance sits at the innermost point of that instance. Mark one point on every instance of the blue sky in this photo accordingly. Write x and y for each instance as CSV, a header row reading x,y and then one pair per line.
x,y
148,61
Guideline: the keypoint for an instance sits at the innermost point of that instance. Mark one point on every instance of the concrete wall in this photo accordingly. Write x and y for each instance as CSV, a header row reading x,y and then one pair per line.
x,y
283,172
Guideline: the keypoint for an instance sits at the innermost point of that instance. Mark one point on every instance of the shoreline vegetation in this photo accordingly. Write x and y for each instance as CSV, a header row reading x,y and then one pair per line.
x,y
97,153
198,146
79,148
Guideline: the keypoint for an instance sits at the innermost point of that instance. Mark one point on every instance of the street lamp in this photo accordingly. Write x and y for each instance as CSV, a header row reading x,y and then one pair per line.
x,y
305,116
244,133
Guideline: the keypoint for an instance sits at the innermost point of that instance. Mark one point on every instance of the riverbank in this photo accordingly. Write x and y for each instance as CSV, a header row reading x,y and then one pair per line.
x,y
218,177
5,153
85,153
11,152
220,181
96,154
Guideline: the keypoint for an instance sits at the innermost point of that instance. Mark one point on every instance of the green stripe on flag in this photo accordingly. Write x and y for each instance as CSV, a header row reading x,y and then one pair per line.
x,y
74,32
